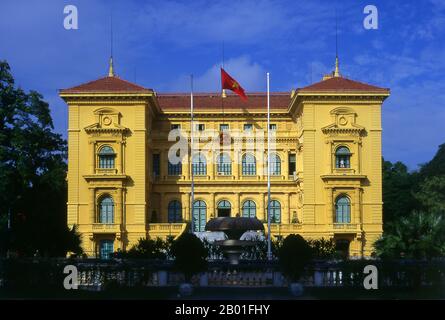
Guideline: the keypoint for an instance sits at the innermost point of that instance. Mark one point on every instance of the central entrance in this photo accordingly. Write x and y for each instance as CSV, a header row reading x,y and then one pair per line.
x,y
342,247
224,208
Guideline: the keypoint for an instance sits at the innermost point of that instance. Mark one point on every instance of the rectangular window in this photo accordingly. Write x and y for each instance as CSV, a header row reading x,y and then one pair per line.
x,y
223,127
174,169
106,161
175,126
199,165
106,249
224,169
248,127
200,127
292,163
156,165
273,126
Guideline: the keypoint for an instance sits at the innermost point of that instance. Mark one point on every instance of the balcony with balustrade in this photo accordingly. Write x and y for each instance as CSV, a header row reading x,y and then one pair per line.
x,y
164,230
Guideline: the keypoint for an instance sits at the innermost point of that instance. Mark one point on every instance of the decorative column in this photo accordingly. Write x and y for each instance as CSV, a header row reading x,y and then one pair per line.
x,y
92,205
124,209
121,168
93,157
288,209
285,167
264,207
329,155
329,206
211,166
355,158
118,206
212,206
356,206
235,165
237,205
162,165
162,218
186,206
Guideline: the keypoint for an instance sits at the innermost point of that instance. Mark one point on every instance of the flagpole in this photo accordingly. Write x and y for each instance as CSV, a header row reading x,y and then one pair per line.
x,y
269,249
192,193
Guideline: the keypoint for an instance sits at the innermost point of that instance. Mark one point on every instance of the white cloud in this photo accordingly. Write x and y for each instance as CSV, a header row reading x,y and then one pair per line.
x,y
250,75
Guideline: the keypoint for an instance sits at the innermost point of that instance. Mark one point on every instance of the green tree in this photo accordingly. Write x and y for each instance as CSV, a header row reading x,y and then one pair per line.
x,y
294,255
436,166
323,248
147,249
432,194
190,255
32,173
420,235
398,187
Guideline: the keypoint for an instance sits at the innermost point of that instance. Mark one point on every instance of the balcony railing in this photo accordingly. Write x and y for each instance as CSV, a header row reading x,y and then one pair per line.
x,y
342,227
344,171
283,228
106,171
163,230
106,228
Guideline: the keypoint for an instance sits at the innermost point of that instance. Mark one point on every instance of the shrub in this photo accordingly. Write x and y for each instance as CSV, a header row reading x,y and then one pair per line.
x,y
189,254
146,249
294,254
323,248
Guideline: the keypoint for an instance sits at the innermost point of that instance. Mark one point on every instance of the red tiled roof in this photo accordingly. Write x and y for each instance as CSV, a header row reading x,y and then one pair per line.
x,y
106,84
202,101
339,84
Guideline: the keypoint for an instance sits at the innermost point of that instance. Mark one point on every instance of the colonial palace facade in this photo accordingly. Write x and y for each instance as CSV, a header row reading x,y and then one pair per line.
x,y
326,178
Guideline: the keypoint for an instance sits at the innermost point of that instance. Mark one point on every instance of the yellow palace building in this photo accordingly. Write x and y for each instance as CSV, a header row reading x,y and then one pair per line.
x,y
326,177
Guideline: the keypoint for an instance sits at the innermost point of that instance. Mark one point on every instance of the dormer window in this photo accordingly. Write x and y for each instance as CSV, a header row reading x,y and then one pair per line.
x,y
106,157
342,157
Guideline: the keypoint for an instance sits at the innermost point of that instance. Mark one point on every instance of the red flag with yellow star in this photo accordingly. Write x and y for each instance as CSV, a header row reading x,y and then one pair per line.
x,y
229,83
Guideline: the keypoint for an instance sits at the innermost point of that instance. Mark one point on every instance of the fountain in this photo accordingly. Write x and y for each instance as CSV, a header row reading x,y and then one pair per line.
x,y
234,228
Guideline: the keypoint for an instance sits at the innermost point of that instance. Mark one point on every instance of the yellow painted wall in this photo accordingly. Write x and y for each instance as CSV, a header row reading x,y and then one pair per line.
x,y
313,126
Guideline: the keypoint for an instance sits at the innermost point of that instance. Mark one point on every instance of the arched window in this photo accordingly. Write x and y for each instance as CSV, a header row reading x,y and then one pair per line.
x,y
174,212
199,215
224,164
275,211
106,157
342,158
199,165
249,209
275,164
342,210
106,210
248,165
224,204
224,208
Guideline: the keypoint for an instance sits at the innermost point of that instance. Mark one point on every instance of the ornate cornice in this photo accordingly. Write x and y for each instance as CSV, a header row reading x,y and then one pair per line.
x,y
96,128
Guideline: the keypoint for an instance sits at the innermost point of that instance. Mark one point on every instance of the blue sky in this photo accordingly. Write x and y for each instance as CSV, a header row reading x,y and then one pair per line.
x,y
159,43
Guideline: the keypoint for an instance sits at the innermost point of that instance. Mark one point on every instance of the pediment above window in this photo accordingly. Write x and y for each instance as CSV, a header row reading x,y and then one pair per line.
x,y
344,122
107,120
105,128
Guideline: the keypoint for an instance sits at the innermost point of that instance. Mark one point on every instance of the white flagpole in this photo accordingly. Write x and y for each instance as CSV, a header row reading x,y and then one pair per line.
x,y
192,193
269,249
